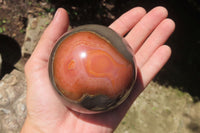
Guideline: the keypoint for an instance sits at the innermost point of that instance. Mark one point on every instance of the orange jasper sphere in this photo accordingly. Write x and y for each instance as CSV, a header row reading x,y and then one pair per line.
x,y
90,71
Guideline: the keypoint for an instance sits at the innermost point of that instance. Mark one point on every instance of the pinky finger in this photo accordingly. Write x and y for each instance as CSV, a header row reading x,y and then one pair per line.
x,y
154,64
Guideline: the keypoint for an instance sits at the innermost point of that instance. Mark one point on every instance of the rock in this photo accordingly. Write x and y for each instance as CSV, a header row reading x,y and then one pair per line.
x,y
34,30
9,123
4,101
12,102
13,85
4,111
162,109
20,64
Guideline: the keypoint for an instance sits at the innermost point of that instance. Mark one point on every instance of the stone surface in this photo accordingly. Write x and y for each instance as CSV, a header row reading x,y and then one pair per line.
x,y
20,64
12,102
161,109
34,30
13,85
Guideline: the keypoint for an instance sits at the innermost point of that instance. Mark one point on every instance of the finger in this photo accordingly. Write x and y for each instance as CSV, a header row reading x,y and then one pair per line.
x,y
145,26
155,40
58,26
126,22
154,64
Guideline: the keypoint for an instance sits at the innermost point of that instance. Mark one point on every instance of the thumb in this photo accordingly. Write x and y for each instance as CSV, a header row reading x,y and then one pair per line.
x,y
57,27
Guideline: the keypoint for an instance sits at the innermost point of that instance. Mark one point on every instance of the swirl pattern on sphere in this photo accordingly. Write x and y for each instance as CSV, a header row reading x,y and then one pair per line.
x,y
87,64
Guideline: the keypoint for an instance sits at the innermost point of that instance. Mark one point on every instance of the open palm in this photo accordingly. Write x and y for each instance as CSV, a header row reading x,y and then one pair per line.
x,y
147,32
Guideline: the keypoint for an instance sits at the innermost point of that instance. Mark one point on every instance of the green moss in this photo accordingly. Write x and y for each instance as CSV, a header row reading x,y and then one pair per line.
x,y
179,93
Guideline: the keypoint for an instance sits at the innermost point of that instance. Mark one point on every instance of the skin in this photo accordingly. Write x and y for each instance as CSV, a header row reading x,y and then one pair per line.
x,y
46,113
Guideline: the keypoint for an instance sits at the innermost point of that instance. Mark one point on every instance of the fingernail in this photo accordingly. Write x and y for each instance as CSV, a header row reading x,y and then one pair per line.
x,y
57,14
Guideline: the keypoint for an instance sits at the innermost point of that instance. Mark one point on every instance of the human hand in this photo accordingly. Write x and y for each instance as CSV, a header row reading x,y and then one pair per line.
x,y
45,111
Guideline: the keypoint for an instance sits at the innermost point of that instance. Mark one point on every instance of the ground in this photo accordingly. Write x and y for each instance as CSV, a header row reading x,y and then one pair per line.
x,y
170,103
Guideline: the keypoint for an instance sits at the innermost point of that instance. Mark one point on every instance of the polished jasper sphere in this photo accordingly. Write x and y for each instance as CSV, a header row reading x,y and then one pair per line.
x,y
92,68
